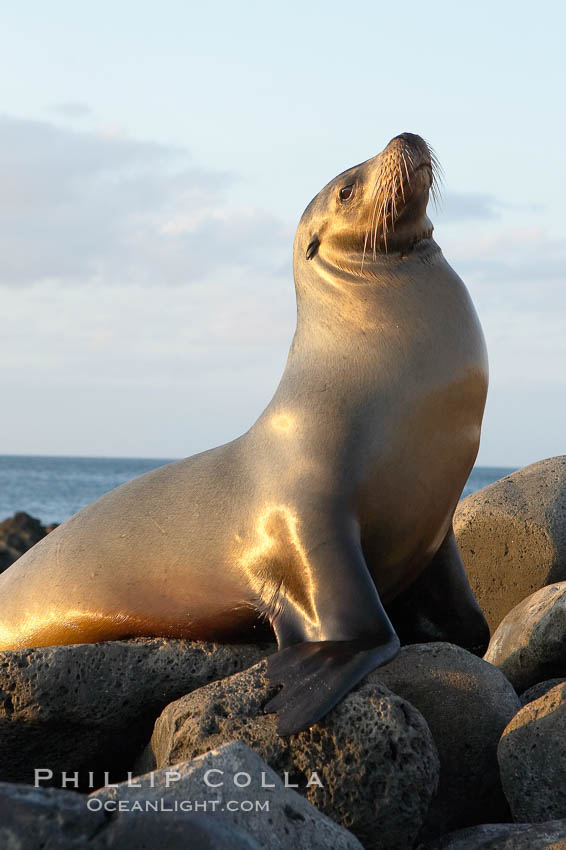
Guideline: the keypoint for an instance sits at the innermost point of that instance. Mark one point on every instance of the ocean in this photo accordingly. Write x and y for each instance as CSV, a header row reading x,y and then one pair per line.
x,y
54,488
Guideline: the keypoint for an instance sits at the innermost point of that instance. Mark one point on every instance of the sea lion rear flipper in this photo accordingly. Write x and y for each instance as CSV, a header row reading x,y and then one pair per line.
x,y
440,605
315,677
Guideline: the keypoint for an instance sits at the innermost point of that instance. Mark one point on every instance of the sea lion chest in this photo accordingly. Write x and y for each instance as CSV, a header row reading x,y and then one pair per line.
x,y
388,411
422,421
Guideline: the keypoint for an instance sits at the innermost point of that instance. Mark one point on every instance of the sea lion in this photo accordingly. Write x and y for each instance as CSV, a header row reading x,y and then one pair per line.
x,y
338,499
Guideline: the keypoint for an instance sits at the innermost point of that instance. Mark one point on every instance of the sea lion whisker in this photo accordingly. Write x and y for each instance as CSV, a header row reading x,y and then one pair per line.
x,y
373,214
437,169
374,227
376,185
393,204
436,196
406,168
373,199
437,181
401,182
365,246
382,219
373,219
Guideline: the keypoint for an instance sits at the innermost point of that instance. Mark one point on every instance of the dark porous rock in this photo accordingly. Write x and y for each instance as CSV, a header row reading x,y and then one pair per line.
x,y
235,781
539,690
18,534
49,819
36,818
512,536
467,704
91,707
373,754
504,836
532,759
529,644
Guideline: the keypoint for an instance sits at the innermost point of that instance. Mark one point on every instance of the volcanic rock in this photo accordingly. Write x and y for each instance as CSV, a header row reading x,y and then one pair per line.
x,y
532,759
373,753
467,704
234,779
91,707
504,836
18,534
529,645
512,536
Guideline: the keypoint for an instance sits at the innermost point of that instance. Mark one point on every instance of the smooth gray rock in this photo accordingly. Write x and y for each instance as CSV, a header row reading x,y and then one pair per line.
x,y
49,819
504,836
374,752
171,831
234,777
539,690
92,706
529,644
467,704
532,759
512,536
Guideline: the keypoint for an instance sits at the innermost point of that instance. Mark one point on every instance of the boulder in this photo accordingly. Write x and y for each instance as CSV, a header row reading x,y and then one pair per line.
x,y
35,818
539,690
234,780
92,706
504,836
171,831
18,534
512,536
532,759
529,645
373,753
49,819
467,704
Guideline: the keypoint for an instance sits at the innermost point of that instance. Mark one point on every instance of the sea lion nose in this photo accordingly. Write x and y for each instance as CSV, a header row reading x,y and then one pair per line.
x,y
410,138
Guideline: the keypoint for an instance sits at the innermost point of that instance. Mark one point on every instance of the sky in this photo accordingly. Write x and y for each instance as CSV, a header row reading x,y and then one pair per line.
x,y
155,160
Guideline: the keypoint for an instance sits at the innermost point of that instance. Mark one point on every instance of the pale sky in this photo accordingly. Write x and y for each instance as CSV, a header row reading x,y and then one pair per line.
x,y
155,159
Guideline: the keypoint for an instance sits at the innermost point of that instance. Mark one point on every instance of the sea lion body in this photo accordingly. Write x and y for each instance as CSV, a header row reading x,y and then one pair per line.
x,y
339,498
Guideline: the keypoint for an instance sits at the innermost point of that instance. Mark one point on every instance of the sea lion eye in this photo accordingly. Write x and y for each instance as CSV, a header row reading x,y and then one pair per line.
x,y
346,192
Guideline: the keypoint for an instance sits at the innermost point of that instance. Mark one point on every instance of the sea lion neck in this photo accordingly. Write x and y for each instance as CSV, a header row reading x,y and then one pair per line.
x,y
339,302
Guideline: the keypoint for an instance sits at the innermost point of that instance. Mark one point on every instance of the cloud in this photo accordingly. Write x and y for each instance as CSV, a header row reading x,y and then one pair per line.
x,y
78,208
72,109
460,206
516,278
457,207
526,260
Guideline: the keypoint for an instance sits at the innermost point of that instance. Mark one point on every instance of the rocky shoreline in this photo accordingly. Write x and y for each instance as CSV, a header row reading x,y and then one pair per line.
x,y
19,533
437,750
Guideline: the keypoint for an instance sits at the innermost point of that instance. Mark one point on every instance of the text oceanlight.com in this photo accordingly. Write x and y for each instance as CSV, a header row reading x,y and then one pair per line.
x,y
213,780
95,804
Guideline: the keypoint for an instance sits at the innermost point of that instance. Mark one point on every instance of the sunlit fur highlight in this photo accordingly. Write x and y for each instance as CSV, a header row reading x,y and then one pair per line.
x,y
394,184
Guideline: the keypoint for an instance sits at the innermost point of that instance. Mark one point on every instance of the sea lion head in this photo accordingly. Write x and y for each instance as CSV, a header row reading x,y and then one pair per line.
x,y
374,209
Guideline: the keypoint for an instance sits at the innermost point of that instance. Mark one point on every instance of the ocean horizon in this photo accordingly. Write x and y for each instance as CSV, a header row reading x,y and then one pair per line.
x,y
53,488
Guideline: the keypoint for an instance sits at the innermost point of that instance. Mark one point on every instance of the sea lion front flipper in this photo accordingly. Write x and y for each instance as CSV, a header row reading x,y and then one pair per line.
x,y
315,677
440,605
331,629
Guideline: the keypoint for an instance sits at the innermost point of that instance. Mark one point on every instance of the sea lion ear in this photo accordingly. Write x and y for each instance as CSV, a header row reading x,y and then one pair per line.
x,y
313,247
